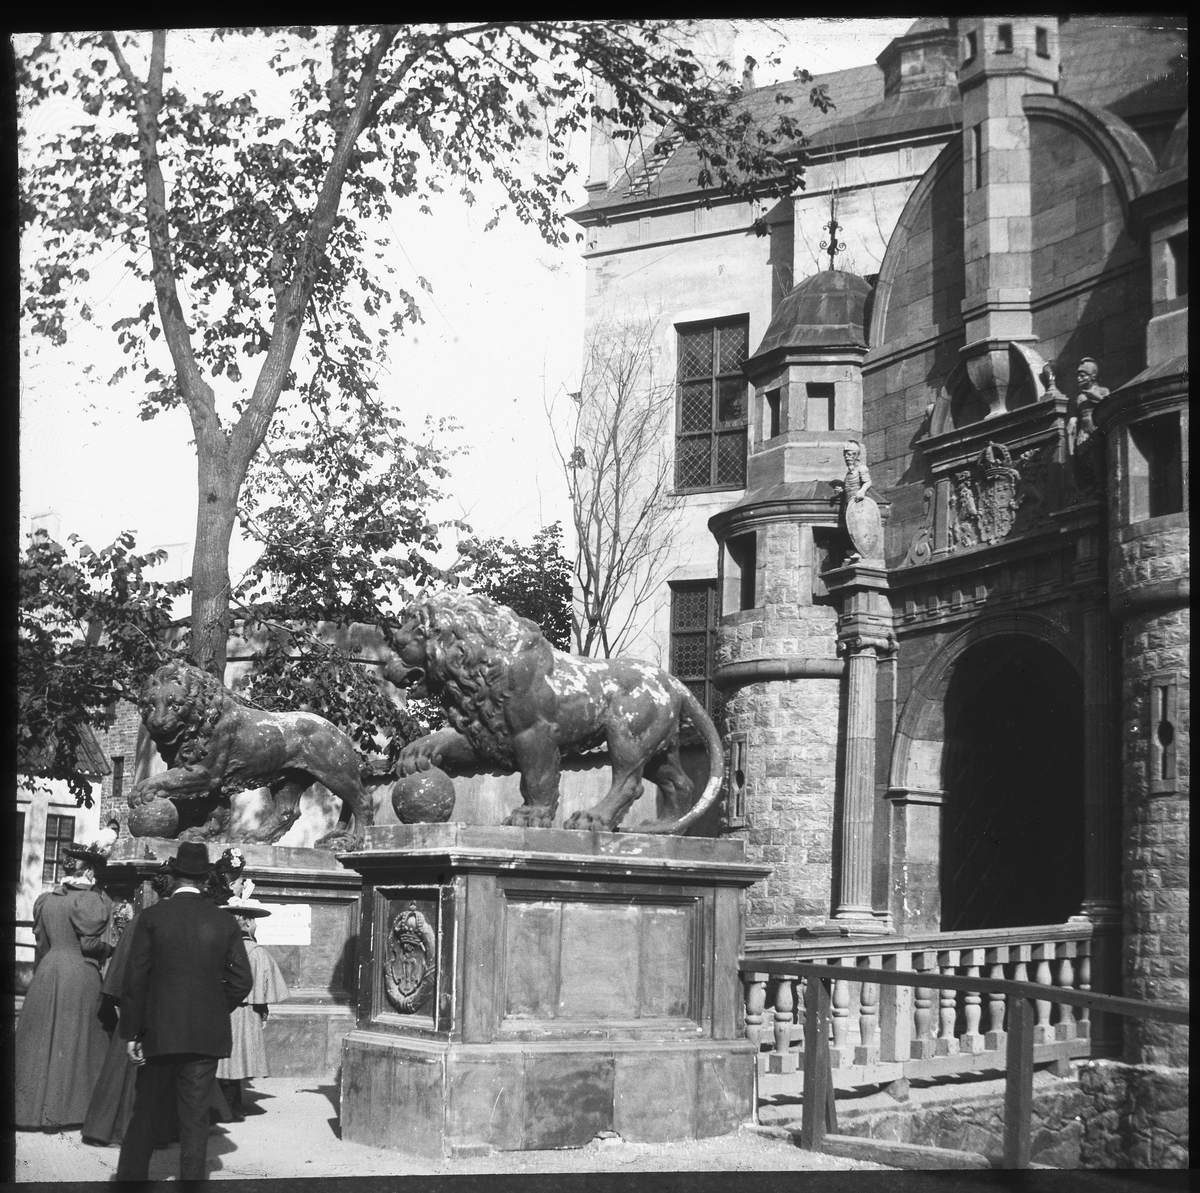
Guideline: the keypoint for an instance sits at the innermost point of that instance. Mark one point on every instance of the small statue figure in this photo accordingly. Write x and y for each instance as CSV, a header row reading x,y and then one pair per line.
x,y
859,518
1083,440
965,528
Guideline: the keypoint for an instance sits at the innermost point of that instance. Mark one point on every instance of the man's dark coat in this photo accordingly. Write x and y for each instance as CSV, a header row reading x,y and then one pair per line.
x,y
187,970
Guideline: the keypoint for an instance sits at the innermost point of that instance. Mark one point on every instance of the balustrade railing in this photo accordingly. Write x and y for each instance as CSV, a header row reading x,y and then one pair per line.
x,y
1023,1019
879,1034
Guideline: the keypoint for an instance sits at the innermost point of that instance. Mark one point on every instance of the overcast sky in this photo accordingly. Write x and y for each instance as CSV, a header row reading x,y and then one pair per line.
x,y
503,328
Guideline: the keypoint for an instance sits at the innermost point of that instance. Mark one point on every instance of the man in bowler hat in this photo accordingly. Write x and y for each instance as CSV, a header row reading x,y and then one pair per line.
x,y
187,969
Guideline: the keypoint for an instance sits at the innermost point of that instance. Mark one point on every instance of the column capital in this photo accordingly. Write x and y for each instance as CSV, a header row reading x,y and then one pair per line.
x,y
853,642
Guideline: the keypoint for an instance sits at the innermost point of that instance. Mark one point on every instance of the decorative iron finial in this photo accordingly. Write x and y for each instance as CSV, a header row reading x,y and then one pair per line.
x,y
833,245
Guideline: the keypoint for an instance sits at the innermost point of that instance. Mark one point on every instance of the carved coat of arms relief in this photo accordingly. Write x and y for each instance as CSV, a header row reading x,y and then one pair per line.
x,y
984,499
411,968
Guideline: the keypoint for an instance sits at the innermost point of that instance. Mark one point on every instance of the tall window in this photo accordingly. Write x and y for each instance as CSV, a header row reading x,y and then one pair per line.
x,y
710,441
60,831
1155,468
820,413
118,777
694,638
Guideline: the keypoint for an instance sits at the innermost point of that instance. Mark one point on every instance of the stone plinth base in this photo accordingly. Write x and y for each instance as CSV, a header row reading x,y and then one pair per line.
x,y
312,935
530,988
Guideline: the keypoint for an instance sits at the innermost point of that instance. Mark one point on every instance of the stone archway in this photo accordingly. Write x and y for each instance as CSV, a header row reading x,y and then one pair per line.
x,y
1012,777
990,741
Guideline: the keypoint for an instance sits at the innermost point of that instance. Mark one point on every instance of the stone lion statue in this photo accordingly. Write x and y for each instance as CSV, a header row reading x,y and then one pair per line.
x,y
516,703
215,744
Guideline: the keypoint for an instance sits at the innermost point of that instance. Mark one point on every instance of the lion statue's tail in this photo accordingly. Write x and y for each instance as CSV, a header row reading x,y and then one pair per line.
x,y
716,766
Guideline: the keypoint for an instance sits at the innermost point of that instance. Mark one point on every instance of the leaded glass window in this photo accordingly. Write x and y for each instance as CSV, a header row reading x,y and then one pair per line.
x,y
710,441
60,831
694,639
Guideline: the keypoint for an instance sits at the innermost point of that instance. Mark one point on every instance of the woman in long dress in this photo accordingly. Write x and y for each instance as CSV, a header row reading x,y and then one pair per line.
x,y
60,1039
248,1058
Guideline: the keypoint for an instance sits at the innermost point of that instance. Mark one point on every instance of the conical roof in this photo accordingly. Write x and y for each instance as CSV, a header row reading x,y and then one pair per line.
x,y
824,311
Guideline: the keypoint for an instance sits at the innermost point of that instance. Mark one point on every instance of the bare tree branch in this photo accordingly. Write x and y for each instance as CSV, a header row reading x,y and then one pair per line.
x,y
613,447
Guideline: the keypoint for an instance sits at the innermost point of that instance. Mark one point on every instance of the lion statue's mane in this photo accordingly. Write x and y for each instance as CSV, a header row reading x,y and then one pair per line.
x,y
471,645
215,744
505,690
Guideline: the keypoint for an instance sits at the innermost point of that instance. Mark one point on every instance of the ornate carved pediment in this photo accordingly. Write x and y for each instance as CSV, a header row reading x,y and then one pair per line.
x,y
996,477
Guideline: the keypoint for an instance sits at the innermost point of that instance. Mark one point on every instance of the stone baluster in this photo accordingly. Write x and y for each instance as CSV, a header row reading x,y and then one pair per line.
x,y
923,1044
1021,955
1083,1025
782,1058
867,1052
1043,1033
839,1054
947,1045
995,1038
971,1040
756,1001
1065,1028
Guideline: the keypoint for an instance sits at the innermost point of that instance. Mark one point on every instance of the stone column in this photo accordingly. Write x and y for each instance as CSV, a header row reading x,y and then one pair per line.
x,y
864,629
858,812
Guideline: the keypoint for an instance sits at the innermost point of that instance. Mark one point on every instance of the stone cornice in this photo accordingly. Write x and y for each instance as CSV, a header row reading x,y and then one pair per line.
x,y
776,667
1137,399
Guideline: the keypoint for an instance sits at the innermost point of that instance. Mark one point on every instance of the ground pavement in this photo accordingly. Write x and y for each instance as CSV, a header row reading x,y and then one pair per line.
x,y
292,1131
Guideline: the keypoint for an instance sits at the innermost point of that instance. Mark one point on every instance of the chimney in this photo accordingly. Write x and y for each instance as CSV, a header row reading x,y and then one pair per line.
x,y
748,73
604,159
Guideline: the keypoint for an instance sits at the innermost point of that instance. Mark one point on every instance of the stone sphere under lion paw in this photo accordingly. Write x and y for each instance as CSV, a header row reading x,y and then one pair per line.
x,y
158,818
425,797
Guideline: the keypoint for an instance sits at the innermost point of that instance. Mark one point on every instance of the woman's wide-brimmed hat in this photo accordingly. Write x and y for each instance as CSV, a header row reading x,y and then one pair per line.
x,y
94,853
191,860
251,909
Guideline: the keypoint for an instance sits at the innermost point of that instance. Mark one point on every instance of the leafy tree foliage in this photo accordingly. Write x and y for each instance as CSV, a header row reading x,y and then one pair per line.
x,y
91,627
257,234
338,498
535,581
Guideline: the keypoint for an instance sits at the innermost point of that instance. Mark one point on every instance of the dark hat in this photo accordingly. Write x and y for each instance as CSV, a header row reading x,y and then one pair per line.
x,y
191,860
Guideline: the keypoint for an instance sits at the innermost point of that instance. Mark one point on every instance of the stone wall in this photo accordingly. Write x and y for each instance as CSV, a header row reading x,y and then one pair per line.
x,y
1112,1116
1090,282
1135,1116
1156,837
119,741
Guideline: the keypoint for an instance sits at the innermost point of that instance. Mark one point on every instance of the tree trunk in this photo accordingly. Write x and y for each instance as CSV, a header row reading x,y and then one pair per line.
x,y
216,512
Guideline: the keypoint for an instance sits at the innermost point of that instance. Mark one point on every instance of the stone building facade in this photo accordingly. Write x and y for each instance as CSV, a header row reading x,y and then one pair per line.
x,y
983,722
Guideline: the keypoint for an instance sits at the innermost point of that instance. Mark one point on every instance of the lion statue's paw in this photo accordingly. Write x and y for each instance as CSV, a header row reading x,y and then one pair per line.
x,y
530,816
588,822
201,833
339,842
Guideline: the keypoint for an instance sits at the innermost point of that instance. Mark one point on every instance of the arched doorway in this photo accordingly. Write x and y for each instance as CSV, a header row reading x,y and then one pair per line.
x,y
1012,773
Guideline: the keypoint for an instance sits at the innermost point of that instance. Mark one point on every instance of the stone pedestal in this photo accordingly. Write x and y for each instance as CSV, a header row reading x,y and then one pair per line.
x,y
312,934
530,988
